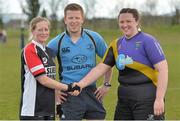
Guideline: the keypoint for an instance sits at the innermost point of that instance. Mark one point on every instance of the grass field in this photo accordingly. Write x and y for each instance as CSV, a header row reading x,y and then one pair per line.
x,y
169,38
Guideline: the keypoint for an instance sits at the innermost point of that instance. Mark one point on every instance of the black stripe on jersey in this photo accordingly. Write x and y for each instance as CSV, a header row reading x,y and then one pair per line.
x,y
40,74
132,77
149,72
109,58
22,79
22,70
45,101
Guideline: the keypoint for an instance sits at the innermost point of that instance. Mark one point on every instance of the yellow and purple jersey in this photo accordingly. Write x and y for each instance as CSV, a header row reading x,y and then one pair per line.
x,y
135,58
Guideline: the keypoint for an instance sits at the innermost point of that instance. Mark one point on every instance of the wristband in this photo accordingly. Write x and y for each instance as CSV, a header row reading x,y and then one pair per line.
x,y
107,84
71,89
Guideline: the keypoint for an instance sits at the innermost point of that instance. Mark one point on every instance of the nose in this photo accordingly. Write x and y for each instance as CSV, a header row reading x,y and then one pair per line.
x,y
44,32
124,25
73,20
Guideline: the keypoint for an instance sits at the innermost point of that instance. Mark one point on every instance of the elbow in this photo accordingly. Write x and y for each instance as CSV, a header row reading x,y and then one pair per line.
x,y
42,80
44,83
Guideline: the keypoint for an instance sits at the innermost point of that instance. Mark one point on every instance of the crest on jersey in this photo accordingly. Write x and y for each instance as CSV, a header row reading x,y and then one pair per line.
x,y
138,44
90,47
44,59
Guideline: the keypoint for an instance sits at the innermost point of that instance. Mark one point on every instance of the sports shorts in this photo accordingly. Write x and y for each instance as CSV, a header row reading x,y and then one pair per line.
x,y
136,102
83,106
23,118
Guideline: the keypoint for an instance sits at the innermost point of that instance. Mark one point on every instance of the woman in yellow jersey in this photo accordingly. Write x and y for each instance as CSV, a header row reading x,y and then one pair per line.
x,y
143,71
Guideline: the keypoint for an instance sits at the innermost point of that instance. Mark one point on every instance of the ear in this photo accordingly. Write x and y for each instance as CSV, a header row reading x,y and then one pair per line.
x,y
33,32
65,19
83,19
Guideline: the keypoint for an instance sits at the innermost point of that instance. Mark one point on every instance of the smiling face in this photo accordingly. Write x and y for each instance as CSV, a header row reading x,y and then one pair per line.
x,y
73,20
41,32
128,24
128,21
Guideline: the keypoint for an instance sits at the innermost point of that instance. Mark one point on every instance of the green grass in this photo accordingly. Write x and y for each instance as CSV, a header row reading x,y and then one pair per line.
x,y
168,36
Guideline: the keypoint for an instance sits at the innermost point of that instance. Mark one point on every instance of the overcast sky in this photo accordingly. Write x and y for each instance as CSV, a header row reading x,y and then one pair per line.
x,y
104,8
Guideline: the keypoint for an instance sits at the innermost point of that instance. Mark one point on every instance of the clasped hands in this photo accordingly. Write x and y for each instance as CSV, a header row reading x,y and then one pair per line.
x,y
74,89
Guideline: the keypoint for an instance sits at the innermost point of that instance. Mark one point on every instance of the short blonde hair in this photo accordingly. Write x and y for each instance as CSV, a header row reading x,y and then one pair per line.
x,y
34,21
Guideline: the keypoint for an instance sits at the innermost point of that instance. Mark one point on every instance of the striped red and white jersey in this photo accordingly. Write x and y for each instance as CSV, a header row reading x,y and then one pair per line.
x,y
36,99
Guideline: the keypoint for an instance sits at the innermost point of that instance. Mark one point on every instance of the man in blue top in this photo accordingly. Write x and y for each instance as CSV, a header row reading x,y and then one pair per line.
x,y
76,49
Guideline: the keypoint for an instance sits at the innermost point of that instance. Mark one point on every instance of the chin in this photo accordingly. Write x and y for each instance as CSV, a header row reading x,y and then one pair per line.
x,y
74,31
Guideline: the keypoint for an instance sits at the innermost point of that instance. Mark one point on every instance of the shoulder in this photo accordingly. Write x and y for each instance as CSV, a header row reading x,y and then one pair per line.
x,y
93,33
29,48
115,41
54,42
148,37
57,37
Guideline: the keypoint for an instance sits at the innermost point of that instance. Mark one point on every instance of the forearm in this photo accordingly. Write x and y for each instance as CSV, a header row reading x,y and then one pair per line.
x,y
50,83
108,76
93,75
162,81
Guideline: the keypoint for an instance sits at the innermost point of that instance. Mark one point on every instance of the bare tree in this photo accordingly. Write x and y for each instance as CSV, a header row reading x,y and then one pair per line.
x,y
151,6
175,6
118,6
54,7
90,8
90,11
44,13
1,14
32,8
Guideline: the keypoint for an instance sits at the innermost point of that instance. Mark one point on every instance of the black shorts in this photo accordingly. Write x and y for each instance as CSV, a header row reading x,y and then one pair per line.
x,y
23,118
136,102
83,106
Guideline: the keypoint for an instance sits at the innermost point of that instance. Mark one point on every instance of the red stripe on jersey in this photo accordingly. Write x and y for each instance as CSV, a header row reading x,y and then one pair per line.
x,y
32,60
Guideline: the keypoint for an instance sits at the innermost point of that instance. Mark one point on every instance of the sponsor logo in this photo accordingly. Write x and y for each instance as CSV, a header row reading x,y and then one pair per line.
x,y
122,61
90,47
51,72
79,59
138,44
65,50
79,67
44,59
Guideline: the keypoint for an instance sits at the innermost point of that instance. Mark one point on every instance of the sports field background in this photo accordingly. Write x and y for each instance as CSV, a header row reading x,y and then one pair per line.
x,y
168,36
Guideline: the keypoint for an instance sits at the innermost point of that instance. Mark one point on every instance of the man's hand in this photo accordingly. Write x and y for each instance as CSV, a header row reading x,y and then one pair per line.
x,y
101,92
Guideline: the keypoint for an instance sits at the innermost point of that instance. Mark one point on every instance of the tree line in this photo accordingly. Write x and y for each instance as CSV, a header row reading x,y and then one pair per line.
x,y
33,8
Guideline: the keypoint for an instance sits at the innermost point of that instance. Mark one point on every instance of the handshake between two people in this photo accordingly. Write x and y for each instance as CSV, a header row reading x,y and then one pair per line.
x,y
74,89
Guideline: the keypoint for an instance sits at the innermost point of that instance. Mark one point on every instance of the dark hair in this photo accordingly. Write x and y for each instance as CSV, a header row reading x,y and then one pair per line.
x,y
133,11
73,7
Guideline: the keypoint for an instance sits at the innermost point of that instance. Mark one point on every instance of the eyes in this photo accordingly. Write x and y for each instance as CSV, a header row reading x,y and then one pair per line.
x,y
127,21
43,30
73,18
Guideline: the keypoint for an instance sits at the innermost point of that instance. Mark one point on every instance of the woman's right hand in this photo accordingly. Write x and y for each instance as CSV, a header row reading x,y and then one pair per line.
x,y
60,97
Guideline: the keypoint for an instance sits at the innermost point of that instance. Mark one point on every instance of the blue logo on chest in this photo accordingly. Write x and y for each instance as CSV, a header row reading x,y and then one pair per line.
x,y
65,50
79,59
122,61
